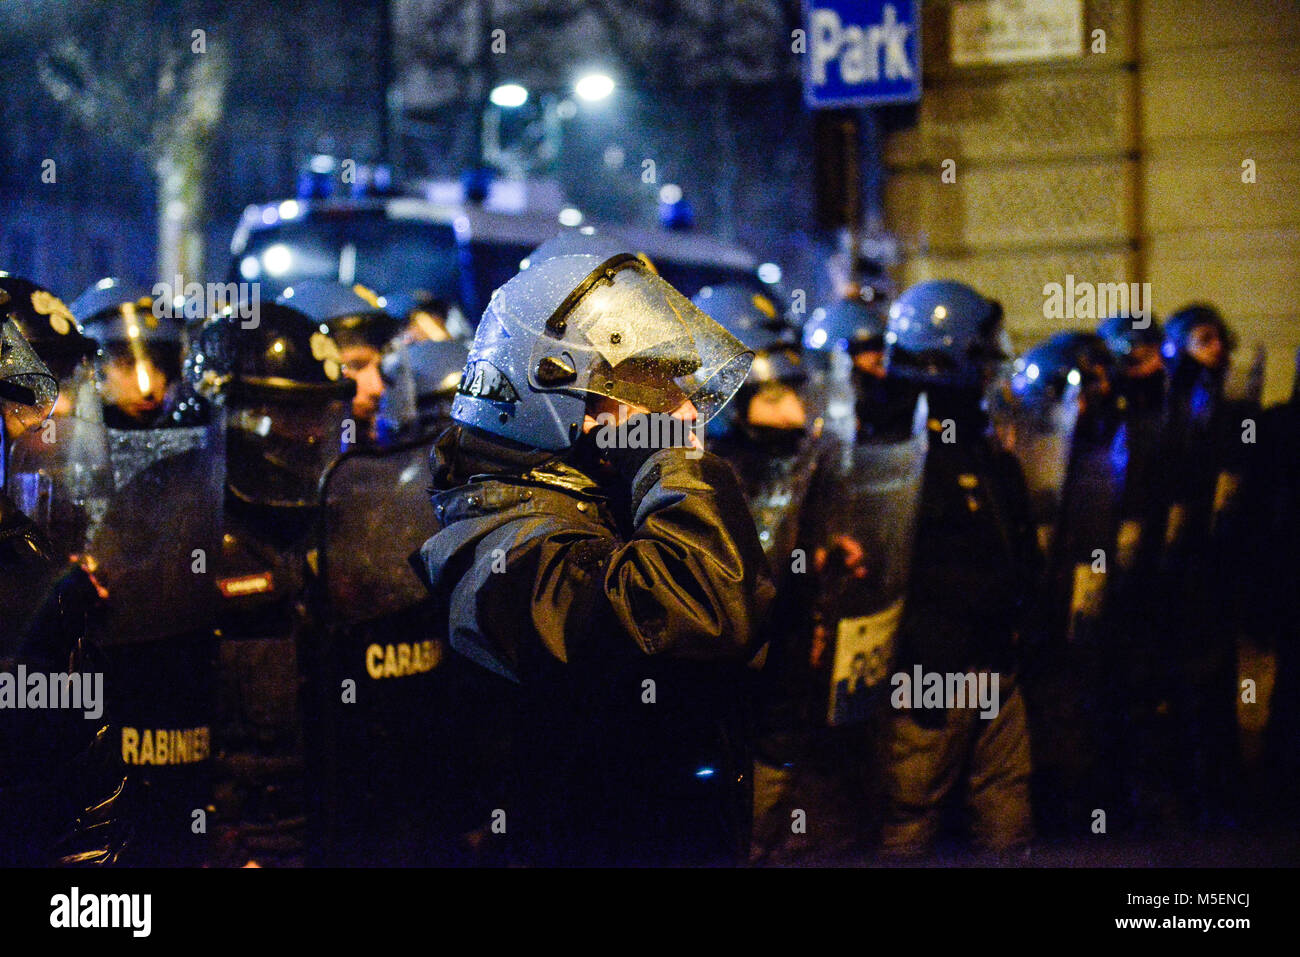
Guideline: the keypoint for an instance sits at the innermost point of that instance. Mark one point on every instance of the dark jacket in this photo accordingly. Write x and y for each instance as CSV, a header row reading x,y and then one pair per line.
x,y
976,555
583,593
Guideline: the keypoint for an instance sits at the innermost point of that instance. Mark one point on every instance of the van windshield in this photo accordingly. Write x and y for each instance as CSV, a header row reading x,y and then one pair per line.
x,y
386,255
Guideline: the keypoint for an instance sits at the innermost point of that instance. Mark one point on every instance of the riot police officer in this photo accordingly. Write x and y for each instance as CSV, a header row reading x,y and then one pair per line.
x,y
287,398
974,564
62,794
1206,555
765,435
1058,412
140,368
362,330
1137,612
592,553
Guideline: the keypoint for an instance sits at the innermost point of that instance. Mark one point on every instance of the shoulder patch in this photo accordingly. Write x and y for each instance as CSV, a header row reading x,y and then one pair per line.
x,y
483,380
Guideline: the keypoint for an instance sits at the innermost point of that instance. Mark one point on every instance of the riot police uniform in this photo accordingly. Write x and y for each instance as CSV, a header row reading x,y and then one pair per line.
x,y
62,794
1061,388
1206,557
286,401
974,565
615,578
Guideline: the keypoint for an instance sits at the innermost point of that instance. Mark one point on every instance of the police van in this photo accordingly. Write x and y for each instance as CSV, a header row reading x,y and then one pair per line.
x,y
459,252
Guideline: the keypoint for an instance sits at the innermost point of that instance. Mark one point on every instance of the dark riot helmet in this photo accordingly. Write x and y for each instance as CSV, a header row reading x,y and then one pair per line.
x,y
47,325
1044,374
573,327
1180,325
754,320
287,402
849,324
117,311
1124,333
352,313
944,333
28,389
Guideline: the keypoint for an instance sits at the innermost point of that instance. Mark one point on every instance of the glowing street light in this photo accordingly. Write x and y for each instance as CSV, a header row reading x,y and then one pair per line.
x,y
508,96
594,86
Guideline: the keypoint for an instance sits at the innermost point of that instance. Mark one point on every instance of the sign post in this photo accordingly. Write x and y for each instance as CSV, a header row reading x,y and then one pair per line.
x,y
858,54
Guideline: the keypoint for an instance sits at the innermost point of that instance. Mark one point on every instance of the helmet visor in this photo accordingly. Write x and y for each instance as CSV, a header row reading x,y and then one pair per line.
x,y
628,335
27,388
278,450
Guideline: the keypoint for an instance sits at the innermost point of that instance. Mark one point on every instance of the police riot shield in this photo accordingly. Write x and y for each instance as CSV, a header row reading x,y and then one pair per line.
x,y
1243,392
863,560
1040,436
155,551
380,780
60,475
160,531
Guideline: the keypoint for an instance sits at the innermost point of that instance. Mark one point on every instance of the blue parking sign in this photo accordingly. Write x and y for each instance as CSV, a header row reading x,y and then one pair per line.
x,y
861,52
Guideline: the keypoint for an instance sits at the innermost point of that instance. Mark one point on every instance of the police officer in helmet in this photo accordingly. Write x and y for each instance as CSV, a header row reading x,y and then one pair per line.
x,y
362,328
974,563
52,331
628,569
140,369
287,398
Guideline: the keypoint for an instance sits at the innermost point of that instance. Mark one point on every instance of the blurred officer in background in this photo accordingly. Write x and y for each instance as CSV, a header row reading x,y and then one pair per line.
x,y
362,329
592,553
1062,387
1208,557
975,562
420,380
140,368
764,435
1136,613
421,315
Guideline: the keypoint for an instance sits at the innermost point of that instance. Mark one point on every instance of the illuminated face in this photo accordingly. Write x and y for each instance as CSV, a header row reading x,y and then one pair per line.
x,y
871,362
1205,345
361,365
134,383
777,406
1144,361
424,325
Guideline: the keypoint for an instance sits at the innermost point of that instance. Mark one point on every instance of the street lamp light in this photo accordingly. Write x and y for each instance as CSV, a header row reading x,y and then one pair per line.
x,y
594,86
508,96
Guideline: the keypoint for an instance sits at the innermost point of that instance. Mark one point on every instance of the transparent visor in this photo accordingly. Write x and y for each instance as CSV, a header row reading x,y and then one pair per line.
x,y
28,390
633,338
277,452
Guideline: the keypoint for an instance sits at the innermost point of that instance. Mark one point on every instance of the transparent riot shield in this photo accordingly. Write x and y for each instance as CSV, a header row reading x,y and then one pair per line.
x,y
155,552
60,475
863,560
378,663
161,531
1040,439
